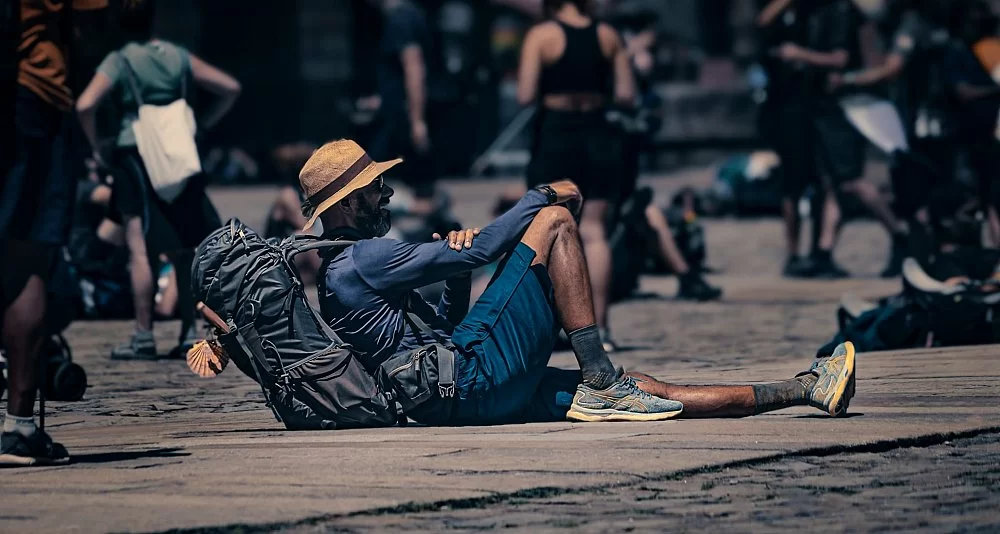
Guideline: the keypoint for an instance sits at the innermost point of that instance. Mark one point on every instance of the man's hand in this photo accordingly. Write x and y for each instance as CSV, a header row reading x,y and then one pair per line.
x,y
459,239
421,139
569,194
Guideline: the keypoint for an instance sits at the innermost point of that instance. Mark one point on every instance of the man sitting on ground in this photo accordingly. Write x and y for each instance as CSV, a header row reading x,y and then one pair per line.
x,y
503,344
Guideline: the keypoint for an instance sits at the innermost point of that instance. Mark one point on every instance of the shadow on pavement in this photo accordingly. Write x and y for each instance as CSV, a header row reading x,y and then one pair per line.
x,y
109,457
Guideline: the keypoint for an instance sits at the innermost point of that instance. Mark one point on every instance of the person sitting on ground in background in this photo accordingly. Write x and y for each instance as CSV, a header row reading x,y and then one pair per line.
x,y
160,71
503,344
644,241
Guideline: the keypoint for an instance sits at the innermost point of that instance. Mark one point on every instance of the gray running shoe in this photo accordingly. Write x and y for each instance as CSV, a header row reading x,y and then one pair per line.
x,y
141,346
834,386
622,401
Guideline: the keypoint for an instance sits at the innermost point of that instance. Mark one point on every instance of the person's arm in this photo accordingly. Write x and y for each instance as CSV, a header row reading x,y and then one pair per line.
x,y
624,81
86,109
967,92
454,303
387,264
225,88
890,69
771,12
415,79
793,53
530,68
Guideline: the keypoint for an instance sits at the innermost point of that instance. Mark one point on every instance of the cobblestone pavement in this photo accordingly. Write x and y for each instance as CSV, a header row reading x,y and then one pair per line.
x,y
953,486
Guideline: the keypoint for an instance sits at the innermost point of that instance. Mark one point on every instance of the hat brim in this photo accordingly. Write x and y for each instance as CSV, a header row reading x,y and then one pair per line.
x,y
365,177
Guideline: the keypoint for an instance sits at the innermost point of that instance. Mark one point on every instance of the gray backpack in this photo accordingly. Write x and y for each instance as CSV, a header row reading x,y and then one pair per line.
x,y
310,378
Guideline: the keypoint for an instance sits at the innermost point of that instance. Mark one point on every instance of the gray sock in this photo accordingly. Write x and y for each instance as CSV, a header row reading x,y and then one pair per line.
x,y
595,365
22,425
794,392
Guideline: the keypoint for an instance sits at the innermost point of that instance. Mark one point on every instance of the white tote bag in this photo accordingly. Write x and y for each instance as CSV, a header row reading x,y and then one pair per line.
x,y
164,136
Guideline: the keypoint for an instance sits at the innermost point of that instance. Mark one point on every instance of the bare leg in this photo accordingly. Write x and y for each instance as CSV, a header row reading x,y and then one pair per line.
x,y
993,223
829,222
141,274
793,225
598,254
875,203
730,401
668,247
554,237
23,333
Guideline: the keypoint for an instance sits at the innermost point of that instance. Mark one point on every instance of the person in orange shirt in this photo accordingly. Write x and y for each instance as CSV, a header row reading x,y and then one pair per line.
x,y
36,201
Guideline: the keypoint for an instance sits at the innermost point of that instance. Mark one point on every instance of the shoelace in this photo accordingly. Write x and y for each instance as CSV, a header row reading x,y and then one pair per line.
x,y
630,383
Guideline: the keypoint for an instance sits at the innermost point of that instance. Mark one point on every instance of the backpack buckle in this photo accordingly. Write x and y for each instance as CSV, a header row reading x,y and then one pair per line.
x,y
446,390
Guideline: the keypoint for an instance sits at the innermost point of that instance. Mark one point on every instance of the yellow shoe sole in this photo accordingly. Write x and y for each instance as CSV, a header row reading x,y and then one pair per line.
x,y
845,384
597,416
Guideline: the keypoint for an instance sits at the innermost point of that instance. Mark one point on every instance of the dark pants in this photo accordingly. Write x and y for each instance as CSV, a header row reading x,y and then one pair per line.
x,y
814,140
504,344
178,225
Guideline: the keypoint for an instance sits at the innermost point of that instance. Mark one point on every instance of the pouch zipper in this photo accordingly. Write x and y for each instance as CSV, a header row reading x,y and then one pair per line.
x,y
414,362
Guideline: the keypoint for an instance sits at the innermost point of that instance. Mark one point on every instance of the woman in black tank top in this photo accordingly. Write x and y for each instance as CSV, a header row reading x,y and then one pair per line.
x,y
574,67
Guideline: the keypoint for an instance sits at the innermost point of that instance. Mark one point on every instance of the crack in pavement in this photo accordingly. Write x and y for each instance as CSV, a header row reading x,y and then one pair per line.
x,y
541,492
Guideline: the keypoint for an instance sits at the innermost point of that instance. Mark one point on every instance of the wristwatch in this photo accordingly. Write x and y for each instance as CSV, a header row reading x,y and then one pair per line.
x,y
549,193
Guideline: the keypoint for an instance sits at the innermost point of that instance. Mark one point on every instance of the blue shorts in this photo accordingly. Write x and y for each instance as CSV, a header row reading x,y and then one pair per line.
x,y
505,342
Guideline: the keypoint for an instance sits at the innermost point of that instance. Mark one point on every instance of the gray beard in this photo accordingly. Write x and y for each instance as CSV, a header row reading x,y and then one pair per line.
x,y
374,221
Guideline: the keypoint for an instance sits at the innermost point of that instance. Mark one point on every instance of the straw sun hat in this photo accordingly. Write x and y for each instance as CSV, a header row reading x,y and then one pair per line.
x,y
334,171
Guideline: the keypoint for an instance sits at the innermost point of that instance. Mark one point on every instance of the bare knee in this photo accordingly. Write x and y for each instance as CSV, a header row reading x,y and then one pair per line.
x,y
555,219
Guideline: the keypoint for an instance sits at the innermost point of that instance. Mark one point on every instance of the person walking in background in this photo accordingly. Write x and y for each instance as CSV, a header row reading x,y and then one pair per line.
x,y
401,80
160,71
574,67
36,207
915,36
811,134
977,96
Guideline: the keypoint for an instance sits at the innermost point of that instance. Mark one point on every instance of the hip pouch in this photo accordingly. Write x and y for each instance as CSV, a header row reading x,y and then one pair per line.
x,y
422,381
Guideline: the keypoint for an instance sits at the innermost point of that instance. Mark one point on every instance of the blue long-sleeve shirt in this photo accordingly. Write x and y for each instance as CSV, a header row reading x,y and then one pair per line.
x,y
364,291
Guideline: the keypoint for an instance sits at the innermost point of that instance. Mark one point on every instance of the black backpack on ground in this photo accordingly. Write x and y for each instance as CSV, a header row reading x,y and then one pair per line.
x,y
310,378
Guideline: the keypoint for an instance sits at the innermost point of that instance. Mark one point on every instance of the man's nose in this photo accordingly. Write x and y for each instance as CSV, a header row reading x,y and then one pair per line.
x,y
388,191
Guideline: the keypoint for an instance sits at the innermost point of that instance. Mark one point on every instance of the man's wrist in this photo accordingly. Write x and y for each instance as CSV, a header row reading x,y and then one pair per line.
x,y
549,192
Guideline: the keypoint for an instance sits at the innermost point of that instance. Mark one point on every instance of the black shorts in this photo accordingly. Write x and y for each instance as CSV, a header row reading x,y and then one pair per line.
x,y
582,147
21,261
169,226
816,142
36,198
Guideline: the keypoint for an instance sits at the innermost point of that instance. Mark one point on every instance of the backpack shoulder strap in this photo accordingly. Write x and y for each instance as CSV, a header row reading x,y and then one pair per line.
x,y
419,326
132,79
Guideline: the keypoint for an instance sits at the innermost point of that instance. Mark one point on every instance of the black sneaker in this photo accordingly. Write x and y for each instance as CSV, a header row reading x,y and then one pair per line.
x,y
141,346
697,289
798,267
37,449
189,337
829,270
